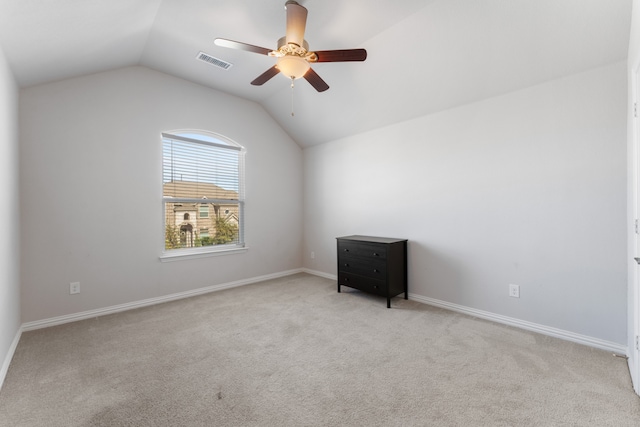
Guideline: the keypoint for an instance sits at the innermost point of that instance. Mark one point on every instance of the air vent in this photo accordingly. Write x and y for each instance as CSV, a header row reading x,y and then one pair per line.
x,y
213,61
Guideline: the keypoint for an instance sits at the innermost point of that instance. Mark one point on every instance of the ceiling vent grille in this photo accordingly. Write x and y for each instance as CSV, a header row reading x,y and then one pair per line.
x,y
214,61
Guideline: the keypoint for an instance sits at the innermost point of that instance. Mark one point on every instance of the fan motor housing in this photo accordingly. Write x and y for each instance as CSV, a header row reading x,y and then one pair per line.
x,y
282,41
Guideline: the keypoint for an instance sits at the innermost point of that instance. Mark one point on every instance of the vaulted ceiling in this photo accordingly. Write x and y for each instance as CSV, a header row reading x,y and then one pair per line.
x,y
424,56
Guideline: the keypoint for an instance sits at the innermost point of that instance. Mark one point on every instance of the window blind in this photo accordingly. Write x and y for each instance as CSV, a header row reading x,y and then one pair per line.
x,y
194,169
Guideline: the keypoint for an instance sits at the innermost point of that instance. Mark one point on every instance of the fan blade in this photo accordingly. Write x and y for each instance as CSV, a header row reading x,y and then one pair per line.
x,y
340,55
316,81
242,46
296,22
266,76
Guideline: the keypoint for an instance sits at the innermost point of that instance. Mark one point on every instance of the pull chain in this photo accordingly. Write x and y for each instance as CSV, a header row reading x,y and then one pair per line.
x,y
292,78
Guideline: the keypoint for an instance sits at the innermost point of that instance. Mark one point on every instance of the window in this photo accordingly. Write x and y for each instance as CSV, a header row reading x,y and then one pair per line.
x,y
195,166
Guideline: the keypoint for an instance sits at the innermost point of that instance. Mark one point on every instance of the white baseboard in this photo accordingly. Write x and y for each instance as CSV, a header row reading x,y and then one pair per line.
x,y
320,274
523,324
45,323
510,321
9,356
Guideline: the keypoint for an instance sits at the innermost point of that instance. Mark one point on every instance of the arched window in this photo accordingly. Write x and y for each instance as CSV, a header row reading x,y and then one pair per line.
x,y
199,165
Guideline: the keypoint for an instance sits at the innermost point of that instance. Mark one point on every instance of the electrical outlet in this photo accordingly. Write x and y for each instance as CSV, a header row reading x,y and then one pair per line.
x,y
514,291
74,288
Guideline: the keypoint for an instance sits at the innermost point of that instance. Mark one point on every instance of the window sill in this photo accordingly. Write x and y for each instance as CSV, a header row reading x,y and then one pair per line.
x,y
179,255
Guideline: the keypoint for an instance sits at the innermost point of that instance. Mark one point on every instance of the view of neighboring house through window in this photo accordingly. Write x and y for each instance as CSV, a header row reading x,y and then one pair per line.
x,y
202,192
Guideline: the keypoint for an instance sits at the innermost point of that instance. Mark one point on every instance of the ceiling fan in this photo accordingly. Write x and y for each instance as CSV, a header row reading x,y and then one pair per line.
x,y
293,56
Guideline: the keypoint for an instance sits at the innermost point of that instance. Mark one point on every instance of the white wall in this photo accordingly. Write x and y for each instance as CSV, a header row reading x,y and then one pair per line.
x,y
526,188
633,64
90,183
9,216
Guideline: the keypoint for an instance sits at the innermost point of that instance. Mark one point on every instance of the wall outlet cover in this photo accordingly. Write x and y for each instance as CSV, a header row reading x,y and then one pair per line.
x,y
74,288
514,291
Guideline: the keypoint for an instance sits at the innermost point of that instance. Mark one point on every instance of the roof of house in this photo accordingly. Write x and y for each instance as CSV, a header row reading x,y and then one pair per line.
x,y
197,190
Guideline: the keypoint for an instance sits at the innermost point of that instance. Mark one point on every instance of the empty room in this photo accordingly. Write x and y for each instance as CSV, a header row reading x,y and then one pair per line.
x,y
336,213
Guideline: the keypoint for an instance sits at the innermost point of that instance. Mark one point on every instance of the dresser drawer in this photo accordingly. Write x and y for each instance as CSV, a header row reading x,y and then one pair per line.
x,y
363,250
364,284
375,268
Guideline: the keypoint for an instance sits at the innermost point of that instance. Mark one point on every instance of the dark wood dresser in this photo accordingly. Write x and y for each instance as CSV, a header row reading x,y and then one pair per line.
x,y
373,264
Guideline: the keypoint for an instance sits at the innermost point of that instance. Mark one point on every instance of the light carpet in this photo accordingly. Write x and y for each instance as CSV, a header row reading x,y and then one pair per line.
x,y
294,352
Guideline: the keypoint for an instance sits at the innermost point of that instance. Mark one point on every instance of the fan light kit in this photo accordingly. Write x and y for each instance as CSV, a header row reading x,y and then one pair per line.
x,y
293,58
293,66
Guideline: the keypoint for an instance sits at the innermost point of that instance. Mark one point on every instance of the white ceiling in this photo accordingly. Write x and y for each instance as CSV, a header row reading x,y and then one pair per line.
x,y
424,56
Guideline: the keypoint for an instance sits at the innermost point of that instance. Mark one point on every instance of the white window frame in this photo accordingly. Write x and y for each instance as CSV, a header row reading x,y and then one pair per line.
x,y
213,139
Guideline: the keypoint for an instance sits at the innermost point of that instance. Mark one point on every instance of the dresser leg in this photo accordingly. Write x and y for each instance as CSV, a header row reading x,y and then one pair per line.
x,y
338,287
406,295
388,302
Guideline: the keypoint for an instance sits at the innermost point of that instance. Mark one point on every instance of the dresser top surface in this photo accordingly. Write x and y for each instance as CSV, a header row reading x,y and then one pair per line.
x,y
371,239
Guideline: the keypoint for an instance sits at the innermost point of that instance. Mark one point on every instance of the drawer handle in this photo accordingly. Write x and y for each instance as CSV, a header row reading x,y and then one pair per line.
x,y
346,279
346,265
375,254
375,270
346,250
375,286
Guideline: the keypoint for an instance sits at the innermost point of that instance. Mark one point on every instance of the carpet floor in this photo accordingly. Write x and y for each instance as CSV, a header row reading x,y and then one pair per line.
x,y
294,352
